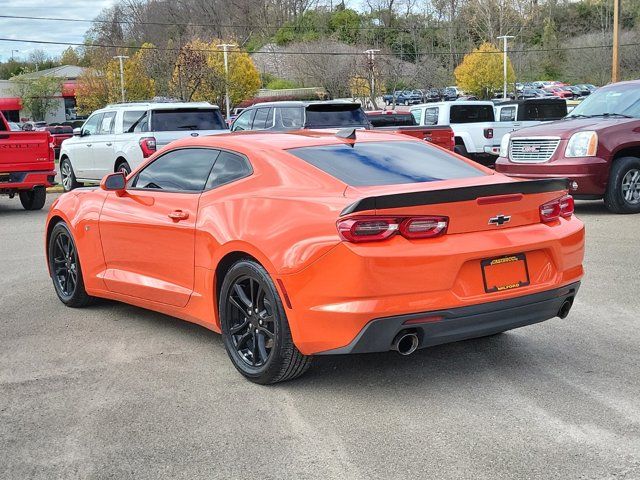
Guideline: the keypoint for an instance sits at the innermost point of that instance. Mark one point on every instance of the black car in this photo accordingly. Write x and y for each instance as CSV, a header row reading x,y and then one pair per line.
x,y
295,115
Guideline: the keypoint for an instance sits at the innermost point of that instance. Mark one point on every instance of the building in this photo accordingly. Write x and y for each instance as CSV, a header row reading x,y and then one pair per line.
x,y
11,105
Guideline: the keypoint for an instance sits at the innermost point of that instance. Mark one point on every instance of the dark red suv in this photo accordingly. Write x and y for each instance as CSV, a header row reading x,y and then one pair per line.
x,y
596,146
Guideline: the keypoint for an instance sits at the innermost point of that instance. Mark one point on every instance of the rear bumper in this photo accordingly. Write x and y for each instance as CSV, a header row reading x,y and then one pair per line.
x,y
591,174
16,181
452,325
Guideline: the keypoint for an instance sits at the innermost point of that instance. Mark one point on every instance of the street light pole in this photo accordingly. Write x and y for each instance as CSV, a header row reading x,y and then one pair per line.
x,y
371,64
504,38
17,51
615,60
121,58
225,48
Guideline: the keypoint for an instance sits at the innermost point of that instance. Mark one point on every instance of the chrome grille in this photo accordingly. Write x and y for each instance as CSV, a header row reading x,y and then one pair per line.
x,y
532,150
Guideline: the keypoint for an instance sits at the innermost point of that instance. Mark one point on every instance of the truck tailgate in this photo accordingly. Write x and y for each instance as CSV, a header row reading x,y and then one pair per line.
x,y
25,151
440,135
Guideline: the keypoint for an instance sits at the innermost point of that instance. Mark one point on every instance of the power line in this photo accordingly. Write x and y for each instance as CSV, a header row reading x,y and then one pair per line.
x,y
416,54
222,25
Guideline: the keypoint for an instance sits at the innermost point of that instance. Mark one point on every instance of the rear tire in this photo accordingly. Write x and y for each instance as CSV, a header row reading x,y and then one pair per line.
x,y
123,166
255,330
64,265
68,176
460,149
623,189
33,199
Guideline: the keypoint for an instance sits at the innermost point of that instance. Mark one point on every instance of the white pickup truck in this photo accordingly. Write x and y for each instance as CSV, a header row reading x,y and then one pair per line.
x,y
477,134
120,137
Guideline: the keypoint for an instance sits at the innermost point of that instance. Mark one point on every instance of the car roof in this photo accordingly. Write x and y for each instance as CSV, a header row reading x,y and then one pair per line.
x,y
158,105
302,103
249,141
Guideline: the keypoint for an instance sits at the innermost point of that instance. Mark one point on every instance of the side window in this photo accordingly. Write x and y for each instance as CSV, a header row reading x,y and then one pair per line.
x,y
508,114
243,122
184,170
263,119
90,127
134,121
106,124
228,167
417,115
431,116
289,118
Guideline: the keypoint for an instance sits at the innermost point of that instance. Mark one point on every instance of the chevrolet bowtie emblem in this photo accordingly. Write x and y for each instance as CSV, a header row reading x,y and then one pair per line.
x,y
499,220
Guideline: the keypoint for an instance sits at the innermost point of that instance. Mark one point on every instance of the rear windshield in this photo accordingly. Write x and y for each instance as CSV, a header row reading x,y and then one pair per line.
x,y
394,120
187,119
335,116
544,111
386,163
471,113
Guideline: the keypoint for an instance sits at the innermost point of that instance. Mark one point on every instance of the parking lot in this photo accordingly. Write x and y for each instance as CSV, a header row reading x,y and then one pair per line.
x,y
113,391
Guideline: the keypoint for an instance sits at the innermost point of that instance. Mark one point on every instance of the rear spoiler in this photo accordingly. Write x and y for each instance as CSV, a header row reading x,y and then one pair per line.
x,y
460,194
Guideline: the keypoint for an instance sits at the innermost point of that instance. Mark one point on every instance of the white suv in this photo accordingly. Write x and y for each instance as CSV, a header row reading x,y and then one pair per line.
x,y
121,136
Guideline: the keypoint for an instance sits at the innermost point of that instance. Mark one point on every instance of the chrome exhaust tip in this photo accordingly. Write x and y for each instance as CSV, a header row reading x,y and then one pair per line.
x,y
405,343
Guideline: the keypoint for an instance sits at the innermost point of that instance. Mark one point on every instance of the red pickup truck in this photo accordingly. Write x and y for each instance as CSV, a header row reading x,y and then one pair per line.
x,y
26,165
404,123
596,146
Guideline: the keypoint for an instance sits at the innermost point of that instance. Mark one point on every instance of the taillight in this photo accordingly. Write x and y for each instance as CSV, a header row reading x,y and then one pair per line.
x,y
148,146
488,133
371,229
560,207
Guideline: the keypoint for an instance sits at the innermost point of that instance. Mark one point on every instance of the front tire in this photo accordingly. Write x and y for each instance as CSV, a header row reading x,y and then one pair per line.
x,y
255,330
64,265
68,176
33,199
623,189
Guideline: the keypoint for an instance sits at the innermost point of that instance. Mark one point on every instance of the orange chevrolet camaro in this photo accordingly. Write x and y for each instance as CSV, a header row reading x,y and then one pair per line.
x,y
319,243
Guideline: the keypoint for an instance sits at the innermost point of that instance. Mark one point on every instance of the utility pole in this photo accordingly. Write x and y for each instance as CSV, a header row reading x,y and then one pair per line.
x,y
121,58
225,48
371,59
615,61
17,51
504,38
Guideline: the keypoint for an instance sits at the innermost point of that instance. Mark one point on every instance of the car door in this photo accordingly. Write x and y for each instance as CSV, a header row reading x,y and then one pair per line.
x,y
81,153
148,233
244,121
103,160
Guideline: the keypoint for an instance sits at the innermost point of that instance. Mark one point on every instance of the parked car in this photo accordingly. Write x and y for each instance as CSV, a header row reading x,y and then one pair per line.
x,y
597,146
31,126
451,93
14,127
26,165
404,97
310,243
477,134
559,92
294,115
433,95
59,133
122,136
405,123
586,88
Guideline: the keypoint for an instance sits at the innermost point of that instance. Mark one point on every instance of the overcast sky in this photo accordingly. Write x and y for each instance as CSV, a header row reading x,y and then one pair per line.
x,y
44,30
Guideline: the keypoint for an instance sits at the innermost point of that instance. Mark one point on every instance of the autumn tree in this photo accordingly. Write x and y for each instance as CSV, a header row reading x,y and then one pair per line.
x,y
92,91
137,85
481,71
70,57
38,94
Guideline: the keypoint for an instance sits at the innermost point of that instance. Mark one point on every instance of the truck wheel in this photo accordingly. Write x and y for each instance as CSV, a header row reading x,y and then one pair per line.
x,y
255,330
461,150
623,189
33,199
68,176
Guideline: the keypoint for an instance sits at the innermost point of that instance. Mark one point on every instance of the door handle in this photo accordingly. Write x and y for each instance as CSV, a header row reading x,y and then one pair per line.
x,y
178,215
109,144
88,144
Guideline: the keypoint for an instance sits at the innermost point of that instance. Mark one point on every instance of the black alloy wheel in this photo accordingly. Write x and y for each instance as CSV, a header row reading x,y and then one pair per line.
x,y
65,269
254,326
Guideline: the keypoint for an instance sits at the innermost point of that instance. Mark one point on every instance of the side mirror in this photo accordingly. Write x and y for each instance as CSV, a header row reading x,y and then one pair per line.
x,y
114,182
77,132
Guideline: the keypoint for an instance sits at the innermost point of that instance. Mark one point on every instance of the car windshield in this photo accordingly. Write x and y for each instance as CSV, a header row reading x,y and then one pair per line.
x,y
616,100
335,116
167,120
386,163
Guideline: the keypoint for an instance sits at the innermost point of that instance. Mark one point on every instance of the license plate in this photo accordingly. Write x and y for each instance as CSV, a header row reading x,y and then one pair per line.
x,y
505,273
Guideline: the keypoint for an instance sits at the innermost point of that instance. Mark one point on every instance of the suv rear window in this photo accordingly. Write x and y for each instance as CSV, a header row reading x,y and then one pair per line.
x,y
187,119
392,120
335,116
471,113
385,163
544,111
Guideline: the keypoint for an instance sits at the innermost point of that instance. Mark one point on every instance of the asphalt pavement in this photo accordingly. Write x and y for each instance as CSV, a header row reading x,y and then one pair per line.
x,y
113,391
